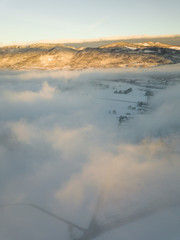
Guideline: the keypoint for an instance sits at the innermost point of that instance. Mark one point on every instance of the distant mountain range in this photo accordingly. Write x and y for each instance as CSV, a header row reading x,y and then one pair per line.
x,y
49,56
167,39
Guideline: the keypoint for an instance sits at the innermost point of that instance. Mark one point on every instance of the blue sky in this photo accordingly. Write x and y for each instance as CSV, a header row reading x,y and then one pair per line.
x,y
35,20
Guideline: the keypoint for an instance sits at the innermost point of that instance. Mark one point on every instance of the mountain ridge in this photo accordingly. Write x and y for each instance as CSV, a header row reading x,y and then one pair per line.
x,y
49,56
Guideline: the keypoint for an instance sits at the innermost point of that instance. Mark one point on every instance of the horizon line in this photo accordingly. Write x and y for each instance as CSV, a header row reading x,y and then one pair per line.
x,y
113,38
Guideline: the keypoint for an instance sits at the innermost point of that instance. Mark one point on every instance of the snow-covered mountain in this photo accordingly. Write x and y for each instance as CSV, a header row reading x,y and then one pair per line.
x,y
115,55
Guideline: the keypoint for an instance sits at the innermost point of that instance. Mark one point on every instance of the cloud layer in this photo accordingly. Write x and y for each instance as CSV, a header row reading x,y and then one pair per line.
x,y
60,148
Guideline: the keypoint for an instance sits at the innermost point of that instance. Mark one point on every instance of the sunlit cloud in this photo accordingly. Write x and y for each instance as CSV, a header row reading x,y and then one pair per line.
x,y
60,149
140,174
46,93
23,132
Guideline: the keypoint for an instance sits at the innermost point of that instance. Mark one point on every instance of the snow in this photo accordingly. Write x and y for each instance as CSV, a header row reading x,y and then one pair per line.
x,y
145,44
132,48
46,59
149,51
175,48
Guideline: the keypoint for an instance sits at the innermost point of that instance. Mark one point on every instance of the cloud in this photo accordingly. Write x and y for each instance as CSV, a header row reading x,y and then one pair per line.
x,y
69,141
46,93
60,148
98,23
22,132
138,175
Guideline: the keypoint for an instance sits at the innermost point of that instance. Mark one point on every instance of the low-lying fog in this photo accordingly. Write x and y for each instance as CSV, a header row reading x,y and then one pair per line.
x,y
62,148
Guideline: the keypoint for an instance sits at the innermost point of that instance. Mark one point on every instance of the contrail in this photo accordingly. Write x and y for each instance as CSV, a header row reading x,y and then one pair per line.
x,y
95,229
118,100
47,212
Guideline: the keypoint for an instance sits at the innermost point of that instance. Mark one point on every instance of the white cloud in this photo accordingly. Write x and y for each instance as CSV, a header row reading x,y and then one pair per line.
x,y
98,23
62,148
46,93
70,141
135,174
22,132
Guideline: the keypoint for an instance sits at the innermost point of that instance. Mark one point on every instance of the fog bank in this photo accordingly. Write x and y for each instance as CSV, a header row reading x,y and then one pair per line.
x,y
61,148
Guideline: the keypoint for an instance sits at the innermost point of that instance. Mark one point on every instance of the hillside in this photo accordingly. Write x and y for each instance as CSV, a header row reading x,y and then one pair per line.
x,y
114,55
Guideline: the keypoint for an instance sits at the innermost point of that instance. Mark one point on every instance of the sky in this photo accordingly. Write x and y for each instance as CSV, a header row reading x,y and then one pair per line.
x,y
61,147
36,20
